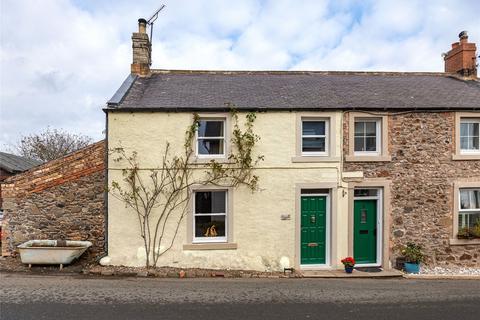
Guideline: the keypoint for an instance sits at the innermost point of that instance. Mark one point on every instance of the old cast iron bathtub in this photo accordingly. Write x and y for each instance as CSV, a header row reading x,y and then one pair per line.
x,y
52,251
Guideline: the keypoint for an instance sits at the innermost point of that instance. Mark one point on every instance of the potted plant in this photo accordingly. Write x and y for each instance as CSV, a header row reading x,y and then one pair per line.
x,y
348,263
413,257
465,233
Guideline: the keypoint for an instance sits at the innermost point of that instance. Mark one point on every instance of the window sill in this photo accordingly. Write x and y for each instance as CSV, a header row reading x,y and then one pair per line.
x,y
460,242
210,246
465,156
311,159
222,160
383,158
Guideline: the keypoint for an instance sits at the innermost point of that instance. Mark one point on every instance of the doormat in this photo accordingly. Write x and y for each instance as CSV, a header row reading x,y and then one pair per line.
x,y
369,269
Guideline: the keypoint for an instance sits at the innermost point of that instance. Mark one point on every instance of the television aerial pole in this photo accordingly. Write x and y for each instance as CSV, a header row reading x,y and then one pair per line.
x,y
152,20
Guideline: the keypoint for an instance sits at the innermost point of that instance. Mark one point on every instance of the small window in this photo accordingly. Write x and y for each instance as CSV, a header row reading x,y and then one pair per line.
x,y
470,136
210,216
365,193
211,138
314,137
367,138
469,213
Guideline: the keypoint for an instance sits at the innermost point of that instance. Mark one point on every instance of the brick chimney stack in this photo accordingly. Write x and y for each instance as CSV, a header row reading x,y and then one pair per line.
x,y
462,59
142,50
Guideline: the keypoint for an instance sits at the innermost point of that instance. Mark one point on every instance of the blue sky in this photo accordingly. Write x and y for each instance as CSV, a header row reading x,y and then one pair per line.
x,y
61,60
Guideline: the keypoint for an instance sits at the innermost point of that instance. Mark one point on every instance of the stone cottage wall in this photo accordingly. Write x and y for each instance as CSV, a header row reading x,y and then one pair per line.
x,y
61,199
422,173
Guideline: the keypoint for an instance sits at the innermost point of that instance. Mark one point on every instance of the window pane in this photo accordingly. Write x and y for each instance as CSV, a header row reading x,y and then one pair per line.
x,y
365,192
470,199
371,144
463,129
371,129
210,146
468,220
476,129
209,128
310,128
313,144
359,144
209,226
464,143
359,128
210,202
473,129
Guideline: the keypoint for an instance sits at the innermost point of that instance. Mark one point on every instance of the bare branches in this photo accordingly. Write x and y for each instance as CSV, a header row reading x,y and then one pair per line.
x,y
50,144
160,197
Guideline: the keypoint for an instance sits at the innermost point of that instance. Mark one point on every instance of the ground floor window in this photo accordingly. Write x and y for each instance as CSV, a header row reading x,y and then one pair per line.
x,y
469,213
210,216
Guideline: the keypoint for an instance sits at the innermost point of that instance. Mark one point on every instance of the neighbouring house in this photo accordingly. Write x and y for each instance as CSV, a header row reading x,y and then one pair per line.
x,y
63,199
356,163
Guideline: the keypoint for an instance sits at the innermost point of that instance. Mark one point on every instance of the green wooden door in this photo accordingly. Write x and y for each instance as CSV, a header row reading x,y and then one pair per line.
x,y
365,231
313,229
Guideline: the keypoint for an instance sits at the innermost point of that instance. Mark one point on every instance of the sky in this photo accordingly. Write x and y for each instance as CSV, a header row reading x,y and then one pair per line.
x,y
61,60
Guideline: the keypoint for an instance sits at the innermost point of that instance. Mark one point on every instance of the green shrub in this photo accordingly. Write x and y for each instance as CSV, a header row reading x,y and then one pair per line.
x,y
413,253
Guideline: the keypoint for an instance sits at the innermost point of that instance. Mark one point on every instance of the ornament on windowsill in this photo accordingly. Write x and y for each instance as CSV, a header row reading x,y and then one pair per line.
x,y
211,232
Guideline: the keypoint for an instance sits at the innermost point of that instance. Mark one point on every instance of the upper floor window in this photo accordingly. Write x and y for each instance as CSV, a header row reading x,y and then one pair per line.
x,y
314,137
470,135
211,138
469,211
367,137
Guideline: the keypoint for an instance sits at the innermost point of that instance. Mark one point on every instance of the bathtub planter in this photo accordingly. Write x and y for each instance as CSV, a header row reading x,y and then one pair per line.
x,y
52,251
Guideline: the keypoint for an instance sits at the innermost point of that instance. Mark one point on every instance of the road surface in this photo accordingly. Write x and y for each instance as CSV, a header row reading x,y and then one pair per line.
x,y
82,297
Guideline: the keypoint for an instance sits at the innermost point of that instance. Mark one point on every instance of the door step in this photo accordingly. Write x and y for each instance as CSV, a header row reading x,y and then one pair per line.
x,y
355,274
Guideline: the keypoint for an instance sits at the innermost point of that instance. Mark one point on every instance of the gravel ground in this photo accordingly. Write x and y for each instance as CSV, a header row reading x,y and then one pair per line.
x,y
449,271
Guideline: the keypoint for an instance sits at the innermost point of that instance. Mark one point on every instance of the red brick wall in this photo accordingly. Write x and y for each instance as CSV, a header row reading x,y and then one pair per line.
x,y
61,199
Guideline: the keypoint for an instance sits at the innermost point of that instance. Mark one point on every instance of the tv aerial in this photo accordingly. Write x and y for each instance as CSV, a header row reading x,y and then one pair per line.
x,y
152,20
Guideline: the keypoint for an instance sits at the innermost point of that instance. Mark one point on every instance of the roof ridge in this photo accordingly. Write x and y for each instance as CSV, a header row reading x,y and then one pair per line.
x,y
297,72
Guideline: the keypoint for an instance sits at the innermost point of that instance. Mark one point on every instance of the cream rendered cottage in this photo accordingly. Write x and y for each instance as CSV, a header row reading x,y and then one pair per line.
x,y
310,212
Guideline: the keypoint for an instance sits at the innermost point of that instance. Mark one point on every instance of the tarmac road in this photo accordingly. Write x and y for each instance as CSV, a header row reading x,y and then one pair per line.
x,y
82,297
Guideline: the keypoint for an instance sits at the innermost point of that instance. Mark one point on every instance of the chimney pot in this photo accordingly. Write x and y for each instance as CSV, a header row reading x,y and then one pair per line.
x,y
142,25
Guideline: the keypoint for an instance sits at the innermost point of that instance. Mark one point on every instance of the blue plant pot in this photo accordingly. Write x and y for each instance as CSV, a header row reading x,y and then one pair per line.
x,y
412,267
348,269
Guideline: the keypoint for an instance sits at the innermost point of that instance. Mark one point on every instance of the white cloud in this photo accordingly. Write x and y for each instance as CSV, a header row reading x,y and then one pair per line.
x,y
61,60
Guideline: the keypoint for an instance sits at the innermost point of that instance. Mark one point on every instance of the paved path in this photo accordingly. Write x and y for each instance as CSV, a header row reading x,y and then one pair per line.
x,y
78,297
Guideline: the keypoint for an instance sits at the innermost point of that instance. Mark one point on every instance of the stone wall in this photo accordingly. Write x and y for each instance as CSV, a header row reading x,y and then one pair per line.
x,y
61,199
422,173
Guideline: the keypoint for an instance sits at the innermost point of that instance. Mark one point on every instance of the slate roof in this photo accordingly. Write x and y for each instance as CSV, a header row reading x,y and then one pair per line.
x,y
12,163
174,90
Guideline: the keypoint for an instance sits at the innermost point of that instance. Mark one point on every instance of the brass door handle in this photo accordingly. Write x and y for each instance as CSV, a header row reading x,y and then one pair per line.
x,y
313,219
312,244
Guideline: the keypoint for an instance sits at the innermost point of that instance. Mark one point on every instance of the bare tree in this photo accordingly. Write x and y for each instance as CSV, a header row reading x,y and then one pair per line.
x,y
159,197
50,144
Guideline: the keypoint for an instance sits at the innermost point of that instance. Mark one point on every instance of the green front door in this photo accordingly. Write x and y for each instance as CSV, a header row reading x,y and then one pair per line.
x,y
313,229
365,231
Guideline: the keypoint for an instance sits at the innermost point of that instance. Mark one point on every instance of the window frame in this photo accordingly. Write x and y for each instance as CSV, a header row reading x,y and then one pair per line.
x,y
457,153
378,137
210,245
194,213
197,138
457,186
326,136
459,204
332,147
469,151
383,152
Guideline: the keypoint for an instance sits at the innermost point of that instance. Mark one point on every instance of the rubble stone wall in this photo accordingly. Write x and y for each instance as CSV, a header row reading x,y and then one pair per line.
x,y
423,174
61,199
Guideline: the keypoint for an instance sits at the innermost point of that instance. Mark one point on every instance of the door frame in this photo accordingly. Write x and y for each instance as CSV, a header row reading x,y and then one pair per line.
x,y
330,224
385,202
379,224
